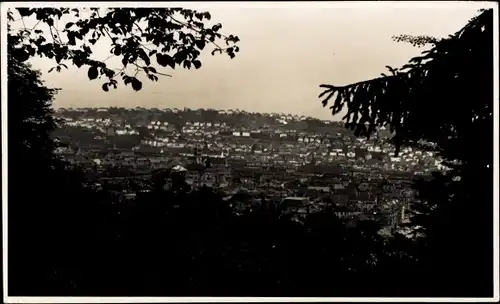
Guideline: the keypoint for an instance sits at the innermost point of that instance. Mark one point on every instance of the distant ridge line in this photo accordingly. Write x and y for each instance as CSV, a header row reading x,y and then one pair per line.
x,y
185,109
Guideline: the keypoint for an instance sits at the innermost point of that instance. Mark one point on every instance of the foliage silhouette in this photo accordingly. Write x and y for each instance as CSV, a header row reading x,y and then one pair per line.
x,y
441,101
31,117
418,41
170,36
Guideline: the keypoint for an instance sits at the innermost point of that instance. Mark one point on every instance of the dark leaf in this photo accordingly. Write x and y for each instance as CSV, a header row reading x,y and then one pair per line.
x,y
93,73
197,64
71,38
164,60
179,57
216,27
144,57
127,80
105,87
69,24
136,84
24,12
109,73
200,44
31,51
160,58
117,50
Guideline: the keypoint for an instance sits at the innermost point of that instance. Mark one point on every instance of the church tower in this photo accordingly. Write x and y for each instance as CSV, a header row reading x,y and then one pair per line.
x,y
196,154
225,158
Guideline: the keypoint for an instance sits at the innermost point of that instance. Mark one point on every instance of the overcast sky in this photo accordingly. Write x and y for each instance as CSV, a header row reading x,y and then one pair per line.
x,y
287,50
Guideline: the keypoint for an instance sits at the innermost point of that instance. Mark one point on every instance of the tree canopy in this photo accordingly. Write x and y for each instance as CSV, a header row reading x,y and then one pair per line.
x,y
173,37
441,101
30,113
441,97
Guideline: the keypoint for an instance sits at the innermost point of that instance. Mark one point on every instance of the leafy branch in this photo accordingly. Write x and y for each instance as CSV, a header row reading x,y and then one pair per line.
x,y
417,41
172,40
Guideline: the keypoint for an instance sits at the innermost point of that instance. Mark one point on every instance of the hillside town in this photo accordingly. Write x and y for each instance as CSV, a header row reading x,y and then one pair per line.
x,y
295,163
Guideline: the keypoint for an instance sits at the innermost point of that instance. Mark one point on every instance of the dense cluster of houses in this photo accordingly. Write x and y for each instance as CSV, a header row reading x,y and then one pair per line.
x,y
299,171
263,145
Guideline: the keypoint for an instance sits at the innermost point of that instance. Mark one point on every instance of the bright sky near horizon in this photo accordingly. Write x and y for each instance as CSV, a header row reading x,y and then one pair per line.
x,y
287,50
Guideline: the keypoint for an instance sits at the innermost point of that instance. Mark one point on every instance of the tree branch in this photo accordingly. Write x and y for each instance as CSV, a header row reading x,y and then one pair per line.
x,y
22,19
57,31
189,26
104,27
35,25
52,34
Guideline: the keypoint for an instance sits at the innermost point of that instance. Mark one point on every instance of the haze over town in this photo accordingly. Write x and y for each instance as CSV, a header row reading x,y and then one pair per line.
x,y
287,50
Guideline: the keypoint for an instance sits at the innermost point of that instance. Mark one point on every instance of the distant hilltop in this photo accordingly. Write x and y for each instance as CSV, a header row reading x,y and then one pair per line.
x,y
177,110
177,118
180,117
143,120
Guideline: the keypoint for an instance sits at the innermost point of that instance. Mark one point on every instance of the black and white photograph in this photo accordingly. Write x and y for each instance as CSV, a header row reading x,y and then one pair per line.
x,y
250,151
